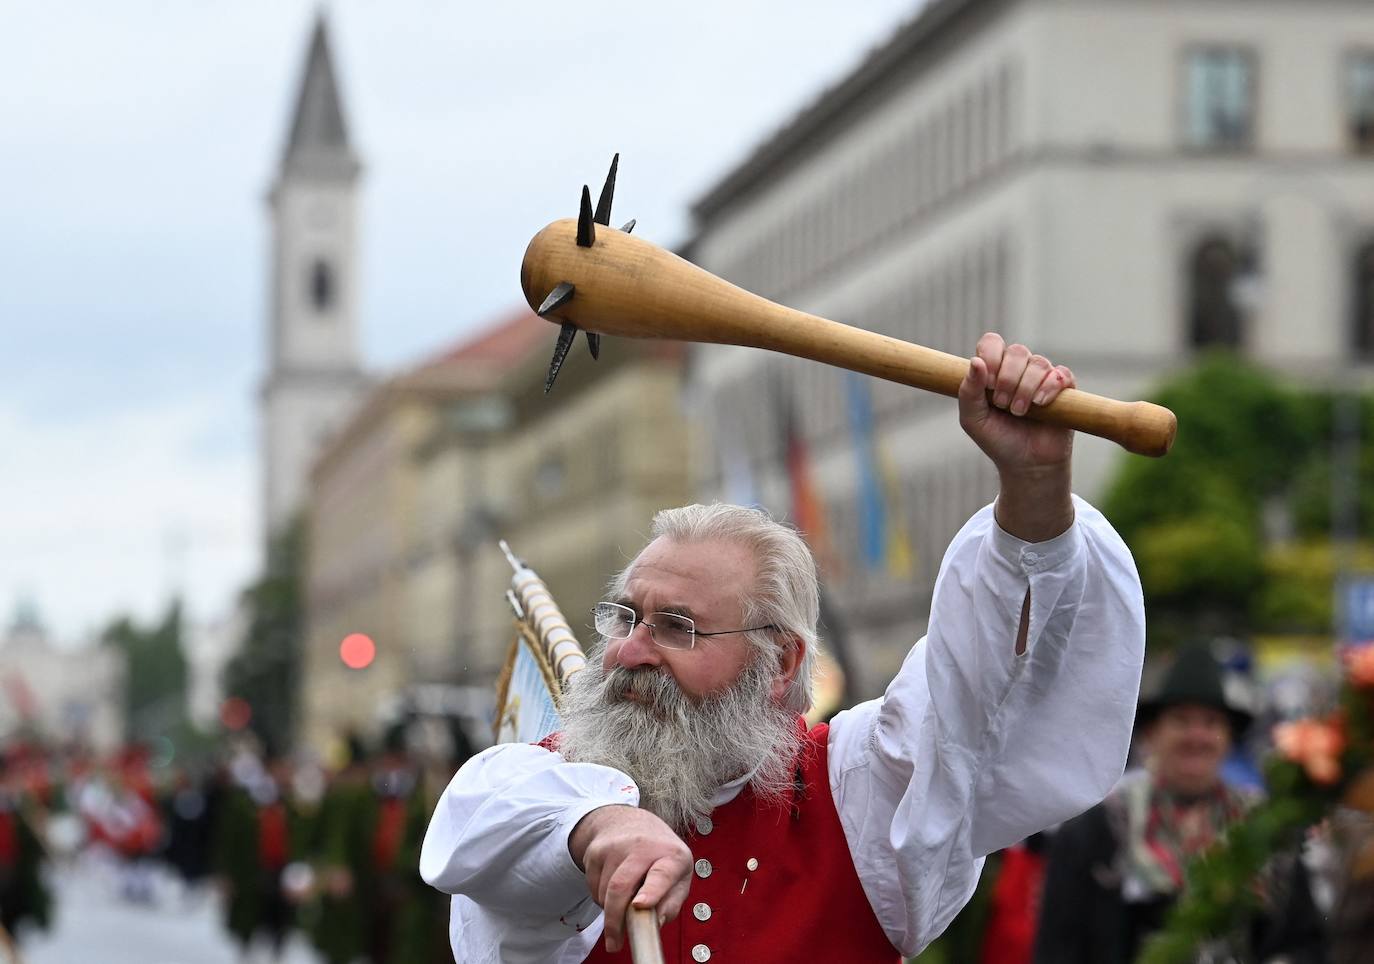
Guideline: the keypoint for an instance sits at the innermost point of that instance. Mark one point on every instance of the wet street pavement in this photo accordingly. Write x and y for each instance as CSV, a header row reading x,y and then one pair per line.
x,y
97,922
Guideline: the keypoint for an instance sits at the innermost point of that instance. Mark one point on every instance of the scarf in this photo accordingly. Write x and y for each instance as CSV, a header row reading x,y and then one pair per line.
x,y
1165,831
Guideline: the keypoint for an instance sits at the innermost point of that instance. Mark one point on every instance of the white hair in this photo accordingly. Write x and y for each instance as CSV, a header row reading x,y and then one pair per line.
x,y
785,593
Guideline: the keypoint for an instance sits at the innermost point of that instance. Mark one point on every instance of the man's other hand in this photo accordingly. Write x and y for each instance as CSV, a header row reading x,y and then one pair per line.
x,y
630,855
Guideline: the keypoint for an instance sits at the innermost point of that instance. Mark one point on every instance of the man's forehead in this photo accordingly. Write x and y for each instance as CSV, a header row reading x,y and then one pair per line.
x,y
707,573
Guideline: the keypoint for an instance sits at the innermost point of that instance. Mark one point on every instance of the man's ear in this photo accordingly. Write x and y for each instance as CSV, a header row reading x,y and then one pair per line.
x,y
790,655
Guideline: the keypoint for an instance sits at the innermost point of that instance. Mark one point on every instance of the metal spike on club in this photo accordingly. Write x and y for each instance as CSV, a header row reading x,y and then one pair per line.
x,y
603,203
566,334
586,221
558,296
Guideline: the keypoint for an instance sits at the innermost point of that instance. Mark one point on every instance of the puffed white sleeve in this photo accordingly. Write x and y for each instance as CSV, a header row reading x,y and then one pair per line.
x,y
973,747
499,838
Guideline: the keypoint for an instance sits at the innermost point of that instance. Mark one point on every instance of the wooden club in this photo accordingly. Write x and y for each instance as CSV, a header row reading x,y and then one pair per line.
x,y
609,282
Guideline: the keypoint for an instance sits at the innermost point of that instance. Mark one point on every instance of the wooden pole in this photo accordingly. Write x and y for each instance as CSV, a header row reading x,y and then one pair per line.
x,y
641,929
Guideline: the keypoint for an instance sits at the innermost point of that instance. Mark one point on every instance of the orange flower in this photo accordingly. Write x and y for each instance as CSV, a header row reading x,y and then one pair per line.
x,y
1316,744
1359,664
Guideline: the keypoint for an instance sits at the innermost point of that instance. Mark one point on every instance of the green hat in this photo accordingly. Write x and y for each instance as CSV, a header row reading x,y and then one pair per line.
x,y
1195,678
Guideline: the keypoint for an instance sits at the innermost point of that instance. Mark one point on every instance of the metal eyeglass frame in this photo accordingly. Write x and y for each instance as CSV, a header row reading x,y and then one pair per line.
x,y
691,628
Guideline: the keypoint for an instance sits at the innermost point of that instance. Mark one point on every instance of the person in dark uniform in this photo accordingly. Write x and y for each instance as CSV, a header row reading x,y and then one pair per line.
x,y
343,927
24,896
260,831
187,815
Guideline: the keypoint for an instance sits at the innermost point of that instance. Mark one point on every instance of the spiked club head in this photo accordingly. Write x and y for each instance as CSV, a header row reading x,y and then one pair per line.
x,y
563,292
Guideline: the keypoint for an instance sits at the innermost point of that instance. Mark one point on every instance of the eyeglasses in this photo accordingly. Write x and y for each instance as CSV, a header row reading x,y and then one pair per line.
x,y
668,630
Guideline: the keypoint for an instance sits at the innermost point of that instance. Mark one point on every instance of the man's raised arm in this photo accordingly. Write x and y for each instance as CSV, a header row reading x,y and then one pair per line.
x,y
1015,711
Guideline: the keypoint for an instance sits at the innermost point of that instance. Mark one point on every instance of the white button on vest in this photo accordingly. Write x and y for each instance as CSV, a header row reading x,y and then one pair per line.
x,y
703,868
704,825
701,953
752,863
702,911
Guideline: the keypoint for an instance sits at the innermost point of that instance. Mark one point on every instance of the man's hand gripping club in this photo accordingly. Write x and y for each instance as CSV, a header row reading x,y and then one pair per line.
x,y
1033,458
630,855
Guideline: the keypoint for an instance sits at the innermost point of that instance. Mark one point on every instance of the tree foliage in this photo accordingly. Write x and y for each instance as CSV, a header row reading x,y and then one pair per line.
x,y
266,670
1231,530
155,674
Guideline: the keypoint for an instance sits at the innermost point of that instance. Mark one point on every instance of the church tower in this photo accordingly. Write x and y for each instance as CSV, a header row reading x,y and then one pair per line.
x,y
314,376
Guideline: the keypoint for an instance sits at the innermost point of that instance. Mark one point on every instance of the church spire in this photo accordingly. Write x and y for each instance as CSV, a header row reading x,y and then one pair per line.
x,y
318,139
26,617
314,377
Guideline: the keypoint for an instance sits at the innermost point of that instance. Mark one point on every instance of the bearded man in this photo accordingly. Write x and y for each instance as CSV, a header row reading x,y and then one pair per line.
x,y
685,778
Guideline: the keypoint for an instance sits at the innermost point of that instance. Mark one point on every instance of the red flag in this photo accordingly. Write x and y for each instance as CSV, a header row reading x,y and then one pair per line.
x,y
808,508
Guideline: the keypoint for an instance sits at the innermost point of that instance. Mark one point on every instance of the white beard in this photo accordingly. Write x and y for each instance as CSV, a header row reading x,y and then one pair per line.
x,y
680,751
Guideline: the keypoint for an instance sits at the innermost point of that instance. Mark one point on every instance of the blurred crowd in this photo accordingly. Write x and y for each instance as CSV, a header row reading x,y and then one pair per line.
x,y
328,849
325,849
1095,889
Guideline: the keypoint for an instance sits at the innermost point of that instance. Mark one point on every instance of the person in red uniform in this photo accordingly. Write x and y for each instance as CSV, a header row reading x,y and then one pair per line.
x,y
684,779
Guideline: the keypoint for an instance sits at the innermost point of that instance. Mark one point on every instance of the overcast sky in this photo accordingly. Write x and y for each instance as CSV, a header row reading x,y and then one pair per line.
x,y
137,140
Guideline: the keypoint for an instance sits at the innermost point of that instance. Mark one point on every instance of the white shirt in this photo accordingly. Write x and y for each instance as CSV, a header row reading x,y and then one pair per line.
x,y
971,749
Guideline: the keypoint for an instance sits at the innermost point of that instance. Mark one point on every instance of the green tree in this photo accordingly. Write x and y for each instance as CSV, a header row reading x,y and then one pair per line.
x,y
155,676
266,670
1252,453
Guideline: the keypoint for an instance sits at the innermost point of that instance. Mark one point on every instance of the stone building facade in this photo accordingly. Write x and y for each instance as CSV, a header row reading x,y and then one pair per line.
x,y
1118,185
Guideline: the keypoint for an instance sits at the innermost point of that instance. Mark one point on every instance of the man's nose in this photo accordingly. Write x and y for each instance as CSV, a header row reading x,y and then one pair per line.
x,y
638,649
1203,732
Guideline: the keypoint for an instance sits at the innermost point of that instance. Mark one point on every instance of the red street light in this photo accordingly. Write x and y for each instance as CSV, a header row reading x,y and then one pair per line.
x,y
235,713
357,651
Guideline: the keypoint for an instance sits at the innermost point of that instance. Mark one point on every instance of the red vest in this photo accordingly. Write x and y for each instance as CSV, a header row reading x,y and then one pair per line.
x,y
802,900
274,845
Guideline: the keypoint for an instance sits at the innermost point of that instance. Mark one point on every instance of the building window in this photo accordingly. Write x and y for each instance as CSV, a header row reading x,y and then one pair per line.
x,y
1359,100
958,143
1012,107
1220,98
1219,273
973,148
925,184
1000,311
953,140
1363,300
321,286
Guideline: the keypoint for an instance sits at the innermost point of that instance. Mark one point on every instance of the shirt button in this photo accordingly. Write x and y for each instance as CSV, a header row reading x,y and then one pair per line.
x,y
703,868
702,911
752,863
701,953
704,825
